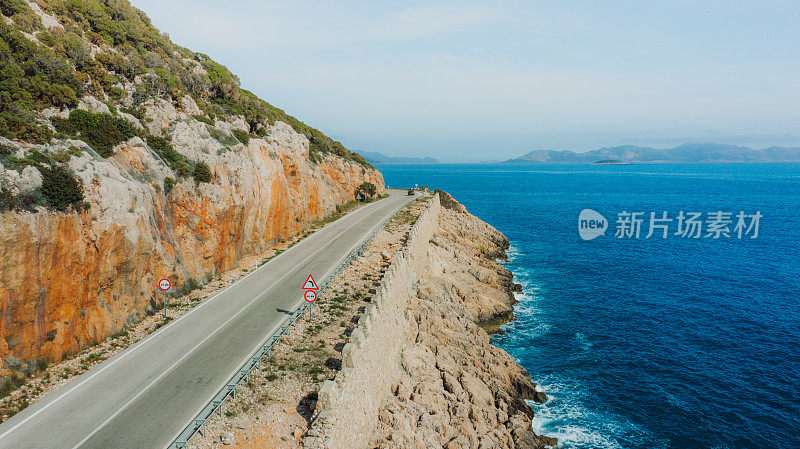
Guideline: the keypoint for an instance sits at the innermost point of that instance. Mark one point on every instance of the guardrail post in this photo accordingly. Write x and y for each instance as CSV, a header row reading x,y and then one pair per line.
x,y
199,424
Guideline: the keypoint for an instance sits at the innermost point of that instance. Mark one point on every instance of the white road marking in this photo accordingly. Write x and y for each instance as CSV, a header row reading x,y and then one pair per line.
x,y
153,335
178,362
394,211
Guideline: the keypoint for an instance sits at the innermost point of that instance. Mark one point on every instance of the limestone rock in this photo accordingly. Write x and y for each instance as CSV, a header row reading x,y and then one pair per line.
x,y
453,388
30,179
87,275
92,104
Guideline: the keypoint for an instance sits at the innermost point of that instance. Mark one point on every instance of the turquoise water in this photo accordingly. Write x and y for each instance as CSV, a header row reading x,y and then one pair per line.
x,y
666,343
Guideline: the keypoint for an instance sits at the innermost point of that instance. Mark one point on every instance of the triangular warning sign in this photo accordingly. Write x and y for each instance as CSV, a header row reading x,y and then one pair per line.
x,y
310,284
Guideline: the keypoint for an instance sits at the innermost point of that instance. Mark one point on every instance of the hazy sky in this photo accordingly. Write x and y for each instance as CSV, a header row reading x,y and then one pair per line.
x,y
491,80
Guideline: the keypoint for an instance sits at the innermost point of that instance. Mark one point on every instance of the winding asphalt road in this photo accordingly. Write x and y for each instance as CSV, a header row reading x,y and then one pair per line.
x,y
144,396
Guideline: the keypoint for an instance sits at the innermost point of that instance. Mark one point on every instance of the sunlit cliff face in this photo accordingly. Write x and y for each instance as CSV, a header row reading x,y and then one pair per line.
x,y
68,280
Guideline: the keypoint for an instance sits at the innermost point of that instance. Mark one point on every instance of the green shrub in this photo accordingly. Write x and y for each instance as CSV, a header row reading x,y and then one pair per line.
x,y
63,125
159,144
189,286
201,173
169,183
11,7
27,21
136,112
367,188
60,188
204,119
111,107
38,157
60,69
27,201
7,200
184,169
11,383
101,131
61,96
33,77
175,160
241,136
41,364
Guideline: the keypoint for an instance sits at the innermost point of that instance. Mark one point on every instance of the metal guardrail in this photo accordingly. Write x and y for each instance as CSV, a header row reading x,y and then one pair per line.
x,y
198,424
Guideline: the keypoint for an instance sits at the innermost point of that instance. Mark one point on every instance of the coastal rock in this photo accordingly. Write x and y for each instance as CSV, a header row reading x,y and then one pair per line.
x,y
430,378
462,390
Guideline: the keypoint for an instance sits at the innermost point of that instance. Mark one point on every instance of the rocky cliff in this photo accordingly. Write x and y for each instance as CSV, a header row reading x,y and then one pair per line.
x,y
419,371
126,158
69,279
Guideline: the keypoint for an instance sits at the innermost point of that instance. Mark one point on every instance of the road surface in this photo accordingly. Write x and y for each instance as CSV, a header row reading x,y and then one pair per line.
x,y
144,396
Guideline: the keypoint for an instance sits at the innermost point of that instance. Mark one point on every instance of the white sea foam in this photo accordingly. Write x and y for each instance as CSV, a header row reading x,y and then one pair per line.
x,y
565,417
583,341
512,253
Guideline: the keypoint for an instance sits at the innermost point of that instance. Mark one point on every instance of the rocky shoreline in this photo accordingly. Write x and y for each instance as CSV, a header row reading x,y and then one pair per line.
x,y
402,357
419,370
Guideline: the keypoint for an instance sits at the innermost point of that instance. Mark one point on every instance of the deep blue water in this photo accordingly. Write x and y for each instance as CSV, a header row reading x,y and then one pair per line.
x,y
666,343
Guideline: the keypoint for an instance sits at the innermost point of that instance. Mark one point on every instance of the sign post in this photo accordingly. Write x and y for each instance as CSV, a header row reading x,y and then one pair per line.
x,y
164,285
310,288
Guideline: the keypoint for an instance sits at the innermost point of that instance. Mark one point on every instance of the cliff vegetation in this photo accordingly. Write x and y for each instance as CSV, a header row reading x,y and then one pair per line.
x,y
125,158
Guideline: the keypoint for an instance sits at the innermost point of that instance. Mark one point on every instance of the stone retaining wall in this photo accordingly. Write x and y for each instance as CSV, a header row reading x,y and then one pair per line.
x,y
347,408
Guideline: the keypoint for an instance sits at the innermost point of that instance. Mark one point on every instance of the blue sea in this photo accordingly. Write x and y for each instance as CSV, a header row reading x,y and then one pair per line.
x,y
647,343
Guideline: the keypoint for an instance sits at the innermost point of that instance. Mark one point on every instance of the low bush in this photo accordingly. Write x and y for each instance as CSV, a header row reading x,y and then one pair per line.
x,y
10,384
159,144
204,119
101,131
11,7
176,161
241,136
7,200
189,286
169,183
27,201
60,188
36,156
136,112
202,172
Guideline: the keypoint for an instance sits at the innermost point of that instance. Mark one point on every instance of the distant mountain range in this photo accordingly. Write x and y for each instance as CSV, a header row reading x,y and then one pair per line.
x,y
379,158
686,153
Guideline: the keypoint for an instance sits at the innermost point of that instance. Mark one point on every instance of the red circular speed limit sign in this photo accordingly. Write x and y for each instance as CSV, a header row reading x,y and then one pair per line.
x,y
310,296
164,285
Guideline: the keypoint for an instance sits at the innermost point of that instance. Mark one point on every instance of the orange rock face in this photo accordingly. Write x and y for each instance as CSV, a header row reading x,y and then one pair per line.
x,y
69,280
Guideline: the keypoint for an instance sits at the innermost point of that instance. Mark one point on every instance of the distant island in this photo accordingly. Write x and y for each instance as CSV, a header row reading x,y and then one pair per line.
x,y
380,158
686,153
610,162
